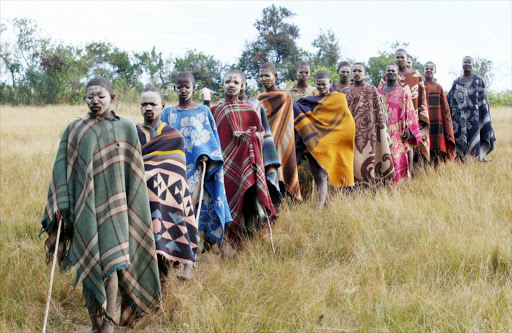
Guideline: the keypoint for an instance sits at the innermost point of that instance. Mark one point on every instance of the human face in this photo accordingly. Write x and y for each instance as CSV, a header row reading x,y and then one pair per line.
x,y
467,64
184,88
98,99
429,70
322,86
358,73
151,106
409,63
232,84
344,73
401,59
303,73
267,78
391,73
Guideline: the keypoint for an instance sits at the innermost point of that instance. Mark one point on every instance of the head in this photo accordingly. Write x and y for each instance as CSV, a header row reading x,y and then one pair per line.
x,y
410,62
401,58
184,86
429,69
322,82
151,104
232,83
344,70
467,64
303,71
244,83
358,71
268,75
99,95
392,72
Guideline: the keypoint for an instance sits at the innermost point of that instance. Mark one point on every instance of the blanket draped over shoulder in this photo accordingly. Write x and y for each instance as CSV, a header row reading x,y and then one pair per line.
x,y
201,138
372,157
441,129
279,109
98,188
241,138
416,84
471,117
174,223
326,129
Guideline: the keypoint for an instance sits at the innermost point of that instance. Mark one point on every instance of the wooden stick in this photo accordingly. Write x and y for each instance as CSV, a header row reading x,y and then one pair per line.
x,y
201,193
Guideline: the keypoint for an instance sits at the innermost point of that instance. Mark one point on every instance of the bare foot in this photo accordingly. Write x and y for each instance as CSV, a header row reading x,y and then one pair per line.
x,y
187,272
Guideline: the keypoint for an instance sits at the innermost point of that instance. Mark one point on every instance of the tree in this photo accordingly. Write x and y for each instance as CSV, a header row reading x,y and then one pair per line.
x,y
157,69
206,69
276,43
483,67
328,50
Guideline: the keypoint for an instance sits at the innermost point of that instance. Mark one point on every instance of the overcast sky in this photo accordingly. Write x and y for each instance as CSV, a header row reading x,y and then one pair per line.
x,y
439,31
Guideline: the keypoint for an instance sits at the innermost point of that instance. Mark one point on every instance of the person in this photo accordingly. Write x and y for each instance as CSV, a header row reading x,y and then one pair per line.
x,y
174,223
410,62
442,141
302,88
202,144
270,156
279,110
241,138
326,133
471,116
416,84
403,126
344,70
207,95
98,191
372,157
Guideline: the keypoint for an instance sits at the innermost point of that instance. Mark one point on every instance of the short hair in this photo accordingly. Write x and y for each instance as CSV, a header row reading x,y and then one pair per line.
x,y
410,57
401,50
343,64
361,64
186,75
470,57
236,71
393,64
322,75
101,81
303,64
430,63
269,66
154,89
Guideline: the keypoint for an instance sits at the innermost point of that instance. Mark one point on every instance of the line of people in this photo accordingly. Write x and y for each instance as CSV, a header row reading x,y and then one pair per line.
x,y
134,199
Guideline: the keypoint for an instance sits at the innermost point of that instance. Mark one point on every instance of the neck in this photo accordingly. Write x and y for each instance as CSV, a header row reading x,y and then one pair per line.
x,y
467,73
185,104
301,84
107,115
402,69
343,81
358,83
152,123
271,89
243,98
391,83
231,99
429,79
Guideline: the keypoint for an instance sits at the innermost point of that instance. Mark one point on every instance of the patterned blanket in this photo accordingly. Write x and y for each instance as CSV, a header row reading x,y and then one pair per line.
x,y
241,137
174,223
98,187
326,128
442,141
201,138
372,157
279,109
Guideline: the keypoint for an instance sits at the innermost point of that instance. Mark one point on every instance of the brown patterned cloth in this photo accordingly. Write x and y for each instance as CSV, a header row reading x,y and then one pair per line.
x,y
279,109
372,156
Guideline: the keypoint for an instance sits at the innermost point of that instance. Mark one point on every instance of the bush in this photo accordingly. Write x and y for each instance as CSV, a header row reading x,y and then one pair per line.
x,y
500,99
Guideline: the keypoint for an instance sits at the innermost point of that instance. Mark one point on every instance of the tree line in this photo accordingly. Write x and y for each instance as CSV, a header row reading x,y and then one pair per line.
x,y
36,70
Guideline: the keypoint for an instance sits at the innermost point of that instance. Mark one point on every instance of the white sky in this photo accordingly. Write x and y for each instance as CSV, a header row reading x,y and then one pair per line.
x,y
442,32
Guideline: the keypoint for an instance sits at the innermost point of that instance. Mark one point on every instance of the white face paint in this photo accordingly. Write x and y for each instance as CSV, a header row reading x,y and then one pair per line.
x,y
232,84
322,86
358,73
344,73
184,88
303,73
151,106
267,78
98,99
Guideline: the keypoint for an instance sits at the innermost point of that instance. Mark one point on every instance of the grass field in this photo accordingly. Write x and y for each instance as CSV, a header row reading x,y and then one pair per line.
x,y
430,255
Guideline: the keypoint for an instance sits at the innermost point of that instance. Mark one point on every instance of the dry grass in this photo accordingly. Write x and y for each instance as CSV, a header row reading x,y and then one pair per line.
x,y
431,255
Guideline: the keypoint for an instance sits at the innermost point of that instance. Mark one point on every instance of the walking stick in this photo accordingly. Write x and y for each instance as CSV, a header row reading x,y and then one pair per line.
x,y
53,271
201,192
271,239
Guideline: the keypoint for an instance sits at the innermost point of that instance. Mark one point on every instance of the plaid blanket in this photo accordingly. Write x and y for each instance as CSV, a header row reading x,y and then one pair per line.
x,y
174,223
98,188
241,137
279,109
372,157
441,128
326,128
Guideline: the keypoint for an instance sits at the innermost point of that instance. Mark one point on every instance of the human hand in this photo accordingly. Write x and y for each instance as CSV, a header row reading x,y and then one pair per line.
x,y
202,158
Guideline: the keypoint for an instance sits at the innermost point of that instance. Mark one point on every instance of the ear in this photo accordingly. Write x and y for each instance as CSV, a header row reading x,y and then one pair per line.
x,y
275,75
174,87
112,97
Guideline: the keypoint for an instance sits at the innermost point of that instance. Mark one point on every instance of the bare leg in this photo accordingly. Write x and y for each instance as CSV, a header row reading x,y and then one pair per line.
x,y
111,289
197,190
320,176
410,157
96,322
187,271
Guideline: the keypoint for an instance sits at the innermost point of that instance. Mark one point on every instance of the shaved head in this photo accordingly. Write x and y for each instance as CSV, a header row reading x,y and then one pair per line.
x,y
393,64
402,50
322,75
156,90
101,81
343,64
360,64
269,67
185,76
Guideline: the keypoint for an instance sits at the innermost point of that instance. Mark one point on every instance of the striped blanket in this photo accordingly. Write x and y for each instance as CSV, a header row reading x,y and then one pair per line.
x,y
279,108
174,223
372,157
326,129
241,138
442,141
98,188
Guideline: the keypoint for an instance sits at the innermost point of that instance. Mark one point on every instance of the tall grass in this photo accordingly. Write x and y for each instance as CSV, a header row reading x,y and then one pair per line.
x,y
430,255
